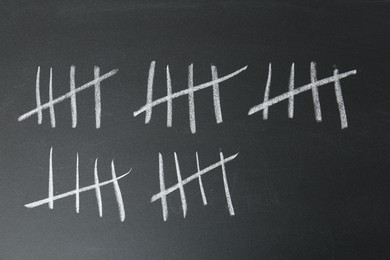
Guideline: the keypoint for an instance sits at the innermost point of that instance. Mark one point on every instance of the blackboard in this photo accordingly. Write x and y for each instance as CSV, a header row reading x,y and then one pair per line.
x,y
235,129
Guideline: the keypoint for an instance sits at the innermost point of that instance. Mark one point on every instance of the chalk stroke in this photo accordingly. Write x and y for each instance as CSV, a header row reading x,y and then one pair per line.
x,y
51,109
149,95
340,100
38,94
162,195
51,189
118,193
97,190
266,92
226,186
191,101
71,94
164,204
315,83
96,186
214,83
314,90
181,187
77,203
98,102
204,199
73,104
291,85
169,101
216,96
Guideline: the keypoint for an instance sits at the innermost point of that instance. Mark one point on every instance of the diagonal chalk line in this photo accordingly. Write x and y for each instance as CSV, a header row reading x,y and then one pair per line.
x,y
187,91
164,193
74,192
299,90
70,94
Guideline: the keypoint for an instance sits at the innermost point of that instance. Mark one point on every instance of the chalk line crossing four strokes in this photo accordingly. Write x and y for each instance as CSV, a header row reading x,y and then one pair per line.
x,y
147,108
313,86
162,195
96,186
71,94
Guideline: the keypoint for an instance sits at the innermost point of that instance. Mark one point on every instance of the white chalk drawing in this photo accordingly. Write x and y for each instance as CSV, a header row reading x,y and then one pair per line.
x,y
71,94
96,186
313,86
162,195
214,83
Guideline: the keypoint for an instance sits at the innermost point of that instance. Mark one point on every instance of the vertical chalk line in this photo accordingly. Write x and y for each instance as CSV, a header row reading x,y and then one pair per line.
x,y
73,96
340,100
98,104
169,100
51,188
266,91
149,95
226,186
97,189
316,98
118,193
291,84
52,113
164,204
204,199
77,190
181,188
191,101
38,95
216,96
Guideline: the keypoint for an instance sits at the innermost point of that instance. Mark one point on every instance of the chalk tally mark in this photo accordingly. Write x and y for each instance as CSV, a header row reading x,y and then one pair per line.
x,y
162,195
313,86
76,192
191,89
70,95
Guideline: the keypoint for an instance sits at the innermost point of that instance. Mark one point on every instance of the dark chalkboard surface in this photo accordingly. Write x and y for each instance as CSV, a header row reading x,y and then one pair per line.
x,y
253,130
